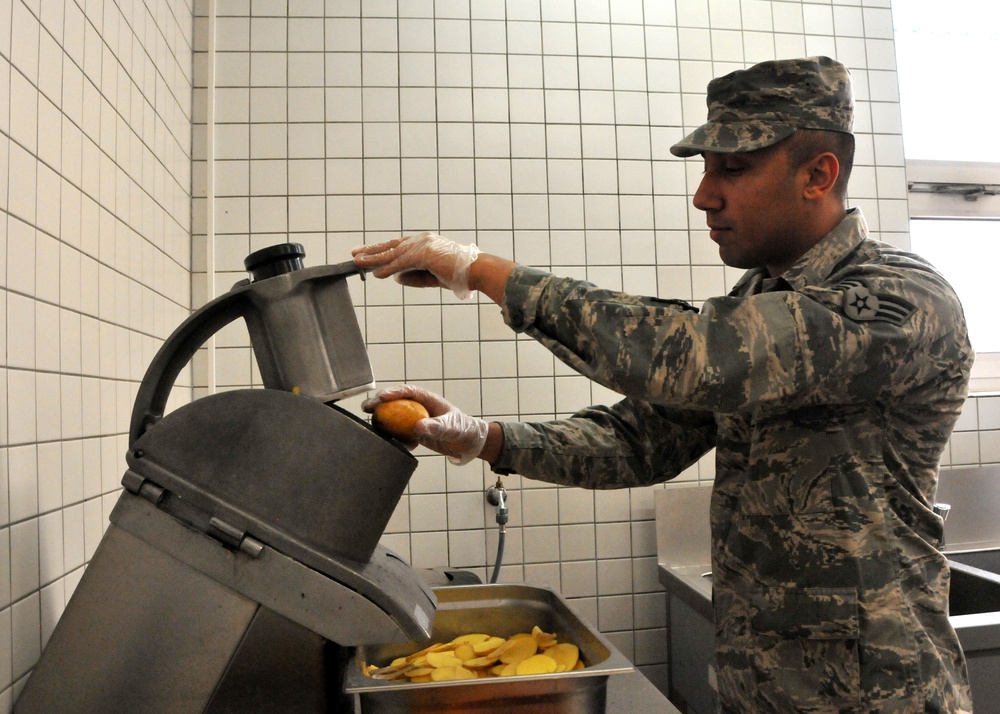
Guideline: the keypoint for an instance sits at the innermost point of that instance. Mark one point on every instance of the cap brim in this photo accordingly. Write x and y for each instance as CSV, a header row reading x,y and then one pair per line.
x,y
731,138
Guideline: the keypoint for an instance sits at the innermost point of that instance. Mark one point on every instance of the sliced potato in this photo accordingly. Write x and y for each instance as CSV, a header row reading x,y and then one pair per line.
x,y
436,647
419,672
488,645
480,662
536,664
544,639
442,674
505,647
564,653
521,649
443,659
392,671
481,655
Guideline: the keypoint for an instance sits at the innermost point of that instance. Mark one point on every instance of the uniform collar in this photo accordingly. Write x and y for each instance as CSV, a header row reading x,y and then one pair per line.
x,y
818,263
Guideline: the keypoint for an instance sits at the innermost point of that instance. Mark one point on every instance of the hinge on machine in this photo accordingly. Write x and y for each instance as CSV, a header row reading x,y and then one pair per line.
x,y
189,514
234,537
143,487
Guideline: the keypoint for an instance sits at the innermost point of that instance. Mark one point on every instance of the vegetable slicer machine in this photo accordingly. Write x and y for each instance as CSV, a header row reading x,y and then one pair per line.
x,y
242,560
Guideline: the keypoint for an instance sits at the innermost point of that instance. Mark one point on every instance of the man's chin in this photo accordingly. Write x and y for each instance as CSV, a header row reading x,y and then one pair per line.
x,y
735,261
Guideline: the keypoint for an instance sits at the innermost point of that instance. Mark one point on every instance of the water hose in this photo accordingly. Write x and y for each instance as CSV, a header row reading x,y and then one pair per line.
x,y
496,495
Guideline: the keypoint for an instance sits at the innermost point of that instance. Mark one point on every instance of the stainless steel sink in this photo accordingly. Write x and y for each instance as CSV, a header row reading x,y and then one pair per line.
x,y
973,590
975,615
988,560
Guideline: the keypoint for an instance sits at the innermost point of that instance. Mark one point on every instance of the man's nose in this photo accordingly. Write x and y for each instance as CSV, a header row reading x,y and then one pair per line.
x,y
706,198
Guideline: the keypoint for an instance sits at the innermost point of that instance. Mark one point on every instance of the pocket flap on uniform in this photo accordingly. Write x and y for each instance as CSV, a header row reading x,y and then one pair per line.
x,y
815,613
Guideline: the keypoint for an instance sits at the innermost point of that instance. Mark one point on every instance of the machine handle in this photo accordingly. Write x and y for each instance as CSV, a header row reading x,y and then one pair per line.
x,y
177,351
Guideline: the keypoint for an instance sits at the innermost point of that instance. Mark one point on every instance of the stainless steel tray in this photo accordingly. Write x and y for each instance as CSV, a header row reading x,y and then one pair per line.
x,y
501,610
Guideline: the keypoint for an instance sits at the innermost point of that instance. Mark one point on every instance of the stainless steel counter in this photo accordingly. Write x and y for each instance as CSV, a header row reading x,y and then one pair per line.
x,y
683,547
691,583
973,494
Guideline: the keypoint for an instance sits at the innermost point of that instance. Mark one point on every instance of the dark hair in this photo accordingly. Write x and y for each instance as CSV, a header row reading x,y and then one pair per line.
x,y
805,144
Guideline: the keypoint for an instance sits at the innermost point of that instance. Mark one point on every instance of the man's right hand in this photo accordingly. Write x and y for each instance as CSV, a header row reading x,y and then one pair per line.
x,y
422,260
429,260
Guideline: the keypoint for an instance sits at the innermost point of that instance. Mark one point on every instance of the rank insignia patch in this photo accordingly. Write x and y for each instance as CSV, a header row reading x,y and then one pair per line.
x,y
861,305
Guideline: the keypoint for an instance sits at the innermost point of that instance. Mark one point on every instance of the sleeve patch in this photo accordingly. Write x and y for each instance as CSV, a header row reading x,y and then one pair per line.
x,y
862,305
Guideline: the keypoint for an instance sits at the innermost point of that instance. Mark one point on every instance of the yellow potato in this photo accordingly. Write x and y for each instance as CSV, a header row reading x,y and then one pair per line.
x,y
392,671
536,664
480,662
521,649
507,645
481,655
564,654
544,639
442,674
436,647
443,659
398,417
487,646
419,672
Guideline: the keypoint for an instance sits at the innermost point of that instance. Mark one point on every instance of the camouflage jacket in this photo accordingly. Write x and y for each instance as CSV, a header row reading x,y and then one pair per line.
x,y
829,394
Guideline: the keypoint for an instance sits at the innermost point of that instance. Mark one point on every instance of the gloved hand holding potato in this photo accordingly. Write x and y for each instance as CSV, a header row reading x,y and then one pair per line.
x,y
447,430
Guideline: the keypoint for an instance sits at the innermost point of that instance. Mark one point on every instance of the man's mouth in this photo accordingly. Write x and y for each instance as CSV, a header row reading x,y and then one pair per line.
x,y
717,231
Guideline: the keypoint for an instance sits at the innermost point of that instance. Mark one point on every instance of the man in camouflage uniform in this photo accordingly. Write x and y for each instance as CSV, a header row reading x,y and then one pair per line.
x,y
828,381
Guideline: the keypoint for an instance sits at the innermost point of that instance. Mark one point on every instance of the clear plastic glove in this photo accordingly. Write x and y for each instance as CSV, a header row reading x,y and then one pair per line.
x,y
425,260
448,431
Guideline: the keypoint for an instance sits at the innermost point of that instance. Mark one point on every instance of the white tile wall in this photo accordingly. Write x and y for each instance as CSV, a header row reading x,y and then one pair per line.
x,y
95,206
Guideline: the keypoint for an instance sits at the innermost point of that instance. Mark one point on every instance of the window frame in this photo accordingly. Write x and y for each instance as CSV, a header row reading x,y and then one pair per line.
x,y
923,205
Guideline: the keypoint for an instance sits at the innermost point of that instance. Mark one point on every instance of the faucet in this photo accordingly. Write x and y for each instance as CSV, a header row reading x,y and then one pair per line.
x,y
942,510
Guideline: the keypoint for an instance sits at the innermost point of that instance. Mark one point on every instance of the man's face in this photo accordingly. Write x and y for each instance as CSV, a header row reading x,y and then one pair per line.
x,y
753,205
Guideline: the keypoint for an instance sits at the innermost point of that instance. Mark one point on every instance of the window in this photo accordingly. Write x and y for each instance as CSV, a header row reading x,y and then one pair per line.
x,y
945,62
952,153
958,248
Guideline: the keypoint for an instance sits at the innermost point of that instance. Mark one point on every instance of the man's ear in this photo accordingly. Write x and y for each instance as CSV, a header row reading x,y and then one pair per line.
x,y
823,172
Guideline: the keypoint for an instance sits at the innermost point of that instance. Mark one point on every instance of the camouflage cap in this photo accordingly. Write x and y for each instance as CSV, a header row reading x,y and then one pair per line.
x,y
757,107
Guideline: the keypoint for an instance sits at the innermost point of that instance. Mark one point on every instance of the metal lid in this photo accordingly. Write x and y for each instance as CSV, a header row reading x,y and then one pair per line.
x,y
275,260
